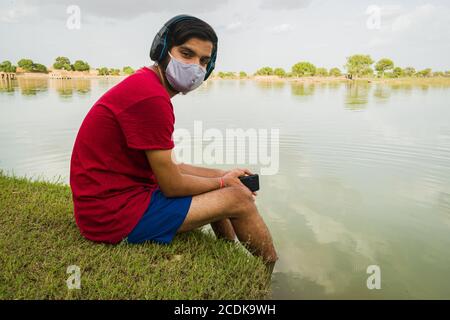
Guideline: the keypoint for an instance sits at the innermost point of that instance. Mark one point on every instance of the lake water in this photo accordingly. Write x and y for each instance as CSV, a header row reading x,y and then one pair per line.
x,y
363,173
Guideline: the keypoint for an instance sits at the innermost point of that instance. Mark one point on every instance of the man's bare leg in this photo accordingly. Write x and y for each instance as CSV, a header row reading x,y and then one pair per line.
x,y
223,229
237,204
253,233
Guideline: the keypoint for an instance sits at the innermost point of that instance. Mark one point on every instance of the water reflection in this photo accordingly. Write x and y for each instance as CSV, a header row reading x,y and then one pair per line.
x,y
6,86
316,238
382,92
334,85
271,85
404,87
30,86
64,88
357,95
302,89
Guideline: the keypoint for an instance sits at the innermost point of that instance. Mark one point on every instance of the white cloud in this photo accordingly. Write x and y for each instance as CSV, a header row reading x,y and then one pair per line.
x,y
56,9
15,13
285,27
284,4
398,24
389,11
378,42
417,16
234,26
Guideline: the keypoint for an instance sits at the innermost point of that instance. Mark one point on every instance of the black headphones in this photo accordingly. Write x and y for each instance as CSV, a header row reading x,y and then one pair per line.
x,y
159,47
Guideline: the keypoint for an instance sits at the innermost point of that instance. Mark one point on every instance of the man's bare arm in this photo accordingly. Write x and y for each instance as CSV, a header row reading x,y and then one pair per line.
x,y
201,171
207,172
174,183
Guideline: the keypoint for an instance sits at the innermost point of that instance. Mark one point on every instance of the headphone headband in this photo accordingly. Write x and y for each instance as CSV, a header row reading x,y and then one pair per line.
x,y
159,47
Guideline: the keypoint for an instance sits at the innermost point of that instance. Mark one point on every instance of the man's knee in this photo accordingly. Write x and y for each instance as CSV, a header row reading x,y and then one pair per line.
x,y
242,200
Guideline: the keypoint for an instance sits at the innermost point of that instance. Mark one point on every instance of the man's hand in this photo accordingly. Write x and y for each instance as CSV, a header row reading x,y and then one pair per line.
x,y
231,178
245,171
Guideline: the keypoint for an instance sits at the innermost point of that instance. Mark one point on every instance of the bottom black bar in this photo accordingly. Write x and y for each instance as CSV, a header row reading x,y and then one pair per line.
x,y
212,309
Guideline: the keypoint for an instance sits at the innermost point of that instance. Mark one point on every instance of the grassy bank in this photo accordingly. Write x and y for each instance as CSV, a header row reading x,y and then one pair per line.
x,y
39,240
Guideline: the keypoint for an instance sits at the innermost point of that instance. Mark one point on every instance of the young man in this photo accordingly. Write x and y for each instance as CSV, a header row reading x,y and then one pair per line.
x,y
123,179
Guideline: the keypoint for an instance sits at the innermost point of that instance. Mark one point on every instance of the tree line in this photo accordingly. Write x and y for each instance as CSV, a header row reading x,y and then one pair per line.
x,y
26,64
357,65
61,63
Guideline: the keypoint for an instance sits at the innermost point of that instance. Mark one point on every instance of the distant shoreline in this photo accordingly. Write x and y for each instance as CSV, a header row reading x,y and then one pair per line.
x,y
316,79
31,75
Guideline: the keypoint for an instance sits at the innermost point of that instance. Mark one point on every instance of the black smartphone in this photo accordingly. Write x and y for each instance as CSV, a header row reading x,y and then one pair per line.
x,y
251,181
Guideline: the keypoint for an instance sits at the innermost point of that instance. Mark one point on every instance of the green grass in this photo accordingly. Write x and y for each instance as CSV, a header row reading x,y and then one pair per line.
x,y
39,240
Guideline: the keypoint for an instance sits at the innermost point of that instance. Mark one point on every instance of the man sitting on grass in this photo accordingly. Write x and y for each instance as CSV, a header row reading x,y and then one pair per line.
x,y
124,182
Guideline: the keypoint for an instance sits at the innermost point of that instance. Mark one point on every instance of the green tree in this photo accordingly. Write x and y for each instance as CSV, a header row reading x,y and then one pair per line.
x,y
114,72
397,72
80,65
242,74
424,73
25,64
103,71
438,74
359,65
128,70
321,72
265,71
409,72
279,72
335,72
368,72
62,63
384,65
37,67
227,74
29,66
303,68
6,66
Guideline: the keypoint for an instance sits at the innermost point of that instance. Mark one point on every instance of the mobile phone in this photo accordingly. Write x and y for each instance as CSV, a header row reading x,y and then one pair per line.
x,y
251,181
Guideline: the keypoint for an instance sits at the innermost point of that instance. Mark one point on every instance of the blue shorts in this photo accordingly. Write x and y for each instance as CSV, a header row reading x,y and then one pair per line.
x,y
161,220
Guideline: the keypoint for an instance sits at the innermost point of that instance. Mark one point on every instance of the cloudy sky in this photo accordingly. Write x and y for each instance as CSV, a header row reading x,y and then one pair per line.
x,y
252,33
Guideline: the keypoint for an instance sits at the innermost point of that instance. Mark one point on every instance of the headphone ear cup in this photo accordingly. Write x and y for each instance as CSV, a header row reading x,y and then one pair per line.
x,y
210,69
211,64
157,46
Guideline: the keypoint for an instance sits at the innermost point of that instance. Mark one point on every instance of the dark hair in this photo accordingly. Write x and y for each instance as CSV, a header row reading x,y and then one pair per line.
x,y
187,29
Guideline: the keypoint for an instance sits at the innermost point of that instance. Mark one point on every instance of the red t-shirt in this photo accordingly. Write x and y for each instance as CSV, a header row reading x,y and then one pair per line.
x,y
110,177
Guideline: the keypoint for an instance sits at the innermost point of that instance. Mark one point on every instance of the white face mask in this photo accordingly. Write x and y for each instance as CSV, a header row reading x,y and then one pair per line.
x,y
184,77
